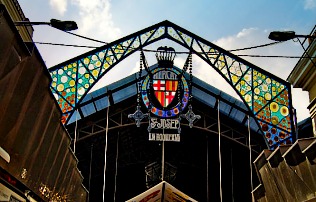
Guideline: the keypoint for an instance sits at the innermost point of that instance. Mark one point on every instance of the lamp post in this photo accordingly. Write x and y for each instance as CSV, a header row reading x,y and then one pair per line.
x,y
58,24
287,35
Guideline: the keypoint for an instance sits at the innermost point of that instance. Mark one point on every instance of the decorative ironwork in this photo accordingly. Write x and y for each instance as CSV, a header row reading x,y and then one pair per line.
x,y
266,96
138,116
190,116
165,83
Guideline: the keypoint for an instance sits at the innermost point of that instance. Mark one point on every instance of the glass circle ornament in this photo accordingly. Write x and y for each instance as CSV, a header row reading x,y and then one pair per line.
x,y
284,111
274,107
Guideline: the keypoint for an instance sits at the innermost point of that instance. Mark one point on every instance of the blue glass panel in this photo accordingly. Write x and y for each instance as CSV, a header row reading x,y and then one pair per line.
x,y
75,116
224,108
86,98
237,115
253,124
125,93
102,103
88,109
203,97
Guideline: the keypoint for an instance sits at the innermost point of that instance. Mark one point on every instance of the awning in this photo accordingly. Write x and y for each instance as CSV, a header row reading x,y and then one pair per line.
x,y
160,193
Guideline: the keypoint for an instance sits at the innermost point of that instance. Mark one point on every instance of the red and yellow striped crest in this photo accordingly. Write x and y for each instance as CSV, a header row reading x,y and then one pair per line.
x,y
165,91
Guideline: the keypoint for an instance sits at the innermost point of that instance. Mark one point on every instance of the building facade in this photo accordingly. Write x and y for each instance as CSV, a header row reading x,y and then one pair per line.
x,y
36,162
304,74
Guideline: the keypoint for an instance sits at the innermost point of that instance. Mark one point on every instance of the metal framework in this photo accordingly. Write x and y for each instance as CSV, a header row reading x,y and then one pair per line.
x,y
118,120
267,97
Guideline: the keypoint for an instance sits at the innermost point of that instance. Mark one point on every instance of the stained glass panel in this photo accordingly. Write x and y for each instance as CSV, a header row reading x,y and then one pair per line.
x,y
267,97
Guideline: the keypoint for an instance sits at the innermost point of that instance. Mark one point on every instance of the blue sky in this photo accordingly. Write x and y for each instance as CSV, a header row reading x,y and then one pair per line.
x,y
227,23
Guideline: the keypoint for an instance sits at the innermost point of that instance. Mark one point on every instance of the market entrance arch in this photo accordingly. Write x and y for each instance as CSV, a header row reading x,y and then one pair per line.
x,y
267,97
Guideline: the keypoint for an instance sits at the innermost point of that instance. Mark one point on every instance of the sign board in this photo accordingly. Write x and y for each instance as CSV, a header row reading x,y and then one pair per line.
x,y
164,130
165,92
162,192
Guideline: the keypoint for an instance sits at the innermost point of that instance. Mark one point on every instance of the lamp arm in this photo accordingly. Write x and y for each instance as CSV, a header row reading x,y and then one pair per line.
x,y
306,36
26,23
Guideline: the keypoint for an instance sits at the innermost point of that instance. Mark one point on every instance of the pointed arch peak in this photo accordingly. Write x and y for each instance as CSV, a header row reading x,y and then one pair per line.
x,y
268,97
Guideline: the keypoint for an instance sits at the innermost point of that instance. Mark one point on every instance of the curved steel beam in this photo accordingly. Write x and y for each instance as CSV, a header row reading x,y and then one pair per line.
x,y
268,97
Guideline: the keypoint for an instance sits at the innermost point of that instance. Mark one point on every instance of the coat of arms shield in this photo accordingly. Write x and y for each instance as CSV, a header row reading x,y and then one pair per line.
x,y
165,91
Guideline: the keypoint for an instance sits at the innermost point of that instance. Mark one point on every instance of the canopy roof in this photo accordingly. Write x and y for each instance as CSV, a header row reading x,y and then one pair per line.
x,y
126,88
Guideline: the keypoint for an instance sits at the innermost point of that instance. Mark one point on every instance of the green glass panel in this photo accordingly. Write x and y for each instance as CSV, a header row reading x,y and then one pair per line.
x,y
237,70
205,51
63,84
280,114
119,50
186,39
144,37
275,118
126,44
110,57
249,98
212,55
158,33
196,47
220,63
174,34
135,44
244,87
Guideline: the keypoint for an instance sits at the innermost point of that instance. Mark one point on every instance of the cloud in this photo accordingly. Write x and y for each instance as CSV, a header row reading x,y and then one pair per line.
x,y
309,4
95,20
59,5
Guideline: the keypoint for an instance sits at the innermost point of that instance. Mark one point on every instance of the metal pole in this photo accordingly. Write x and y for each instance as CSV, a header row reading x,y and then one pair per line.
x,y
207,177
250,161
163,161
106,147
231,164
90,170
116,162
219,154
75,138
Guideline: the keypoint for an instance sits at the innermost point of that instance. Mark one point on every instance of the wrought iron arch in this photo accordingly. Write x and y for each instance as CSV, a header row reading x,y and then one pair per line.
x,y
267,96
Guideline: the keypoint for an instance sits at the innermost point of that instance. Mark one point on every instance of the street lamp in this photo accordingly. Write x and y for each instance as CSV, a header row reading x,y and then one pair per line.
x,y
286,35
58,24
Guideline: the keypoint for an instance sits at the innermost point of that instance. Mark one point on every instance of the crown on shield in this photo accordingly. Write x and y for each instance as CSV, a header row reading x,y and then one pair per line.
x,y
165,56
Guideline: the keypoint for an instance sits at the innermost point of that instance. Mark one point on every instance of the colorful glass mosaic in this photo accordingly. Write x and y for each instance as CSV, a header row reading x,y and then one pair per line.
x,y
267,96
170,112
